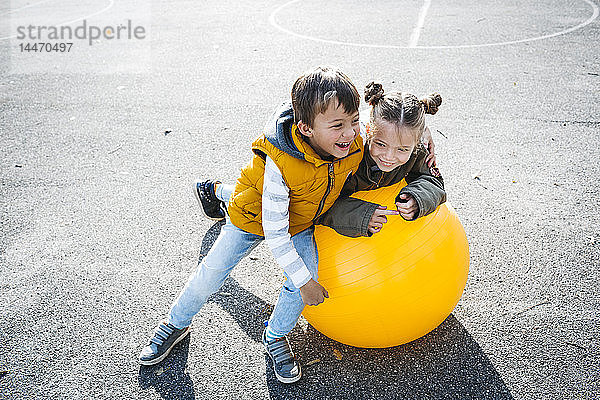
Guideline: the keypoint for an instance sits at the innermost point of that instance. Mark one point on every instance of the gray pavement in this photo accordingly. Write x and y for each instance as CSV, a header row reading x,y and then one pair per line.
x,y
100,229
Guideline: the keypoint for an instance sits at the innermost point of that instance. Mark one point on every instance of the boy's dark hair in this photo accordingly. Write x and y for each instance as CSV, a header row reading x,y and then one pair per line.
x,y
314,91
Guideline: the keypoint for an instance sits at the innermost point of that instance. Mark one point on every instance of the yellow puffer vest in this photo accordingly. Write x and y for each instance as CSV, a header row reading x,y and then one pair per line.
x,y
313,182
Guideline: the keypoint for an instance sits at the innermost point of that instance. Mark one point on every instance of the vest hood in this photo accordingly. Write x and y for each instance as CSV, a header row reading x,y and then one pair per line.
x,y
278,131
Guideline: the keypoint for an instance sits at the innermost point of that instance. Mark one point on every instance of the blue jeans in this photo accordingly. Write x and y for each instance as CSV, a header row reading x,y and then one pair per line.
x,y
231,246
224,192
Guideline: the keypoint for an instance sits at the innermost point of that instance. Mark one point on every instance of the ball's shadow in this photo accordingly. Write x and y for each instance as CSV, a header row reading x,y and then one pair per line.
x,y
446,363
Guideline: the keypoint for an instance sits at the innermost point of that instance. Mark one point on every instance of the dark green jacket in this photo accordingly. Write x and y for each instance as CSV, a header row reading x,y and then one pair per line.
x,y
350,216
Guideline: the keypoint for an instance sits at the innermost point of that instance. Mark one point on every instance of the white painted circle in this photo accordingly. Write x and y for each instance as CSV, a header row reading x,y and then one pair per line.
x,y
383,46
111,3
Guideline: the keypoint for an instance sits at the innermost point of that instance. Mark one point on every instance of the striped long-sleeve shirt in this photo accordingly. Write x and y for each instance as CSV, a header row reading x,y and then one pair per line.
x,y
275,222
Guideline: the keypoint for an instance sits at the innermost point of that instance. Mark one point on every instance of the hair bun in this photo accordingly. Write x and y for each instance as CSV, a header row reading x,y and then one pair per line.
x,y
373,93
431,103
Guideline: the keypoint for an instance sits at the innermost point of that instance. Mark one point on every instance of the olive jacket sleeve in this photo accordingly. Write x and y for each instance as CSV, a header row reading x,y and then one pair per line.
x,y
350,217
425,185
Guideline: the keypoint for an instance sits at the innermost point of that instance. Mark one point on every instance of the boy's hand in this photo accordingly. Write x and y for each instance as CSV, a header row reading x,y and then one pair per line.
x,y
430,146
407,207
313,293
379,218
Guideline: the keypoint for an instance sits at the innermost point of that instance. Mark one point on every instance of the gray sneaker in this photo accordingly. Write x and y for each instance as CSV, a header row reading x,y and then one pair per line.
x,y
287,368
165,337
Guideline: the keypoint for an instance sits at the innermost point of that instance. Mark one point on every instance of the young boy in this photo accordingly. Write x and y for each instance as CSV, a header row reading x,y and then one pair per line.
x,y
298,170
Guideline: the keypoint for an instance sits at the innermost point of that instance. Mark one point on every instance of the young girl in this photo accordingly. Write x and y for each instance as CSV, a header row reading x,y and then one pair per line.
x,y
393,152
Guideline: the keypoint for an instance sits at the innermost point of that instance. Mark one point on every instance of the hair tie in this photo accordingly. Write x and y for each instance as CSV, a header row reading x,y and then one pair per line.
x,y
373,93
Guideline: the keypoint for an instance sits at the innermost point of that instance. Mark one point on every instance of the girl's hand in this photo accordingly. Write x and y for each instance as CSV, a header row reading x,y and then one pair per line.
x,y
379,218
430,146
313,293
408,208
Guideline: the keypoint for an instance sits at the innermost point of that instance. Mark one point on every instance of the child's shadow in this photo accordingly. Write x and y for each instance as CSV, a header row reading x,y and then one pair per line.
x,y
170,380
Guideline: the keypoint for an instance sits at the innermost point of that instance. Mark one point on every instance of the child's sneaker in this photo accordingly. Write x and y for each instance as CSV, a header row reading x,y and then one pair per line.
x,y
287,368
165,337
212,207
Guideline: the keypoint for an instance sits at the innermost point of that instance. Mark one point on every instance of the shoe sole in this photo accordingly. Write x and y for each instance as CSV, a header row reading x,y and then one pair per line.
x,y
201,207
288,380
159,359
280,378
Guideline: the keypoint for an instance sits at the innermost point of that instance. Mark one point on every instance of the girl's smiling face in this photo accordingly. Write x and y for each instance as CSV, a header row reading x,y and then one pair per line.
x,y
391,145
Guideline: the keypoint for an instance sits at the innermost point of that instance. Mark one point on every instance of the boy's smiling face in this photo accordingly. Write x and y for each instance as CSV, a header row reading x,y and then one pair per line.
x,y
391,146
333,131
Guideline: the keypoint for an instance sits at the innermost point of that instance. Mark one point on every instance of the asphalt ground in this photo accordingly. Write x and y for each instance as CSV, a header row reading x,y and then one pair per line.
x,y
100,229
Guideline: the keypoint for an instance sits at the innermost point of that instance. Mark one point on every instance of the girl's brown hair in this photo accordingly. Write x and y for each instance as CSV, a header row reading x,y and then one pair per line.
x,y
400,108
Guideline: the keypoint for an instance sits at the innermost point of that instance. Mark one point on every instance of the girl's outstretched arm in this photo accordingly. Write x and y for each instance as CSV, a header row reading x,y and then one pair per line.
x,y
349,217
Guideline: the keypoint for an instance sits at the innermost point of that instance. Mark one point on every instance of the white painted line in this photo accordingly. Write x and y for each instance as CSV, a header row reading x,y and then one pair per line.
x,y
414,38
112,2
27,6
384,46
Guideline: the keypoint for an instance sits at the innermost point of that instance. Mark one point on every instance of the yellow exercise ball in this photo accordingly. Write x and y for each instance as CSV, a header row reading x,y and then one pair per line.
x,y
395,286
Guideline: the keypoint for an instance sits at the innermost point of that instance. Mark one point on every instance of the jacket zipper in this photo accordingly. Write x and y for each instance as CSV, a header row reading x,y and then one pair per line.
x,y
380,179
330,179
